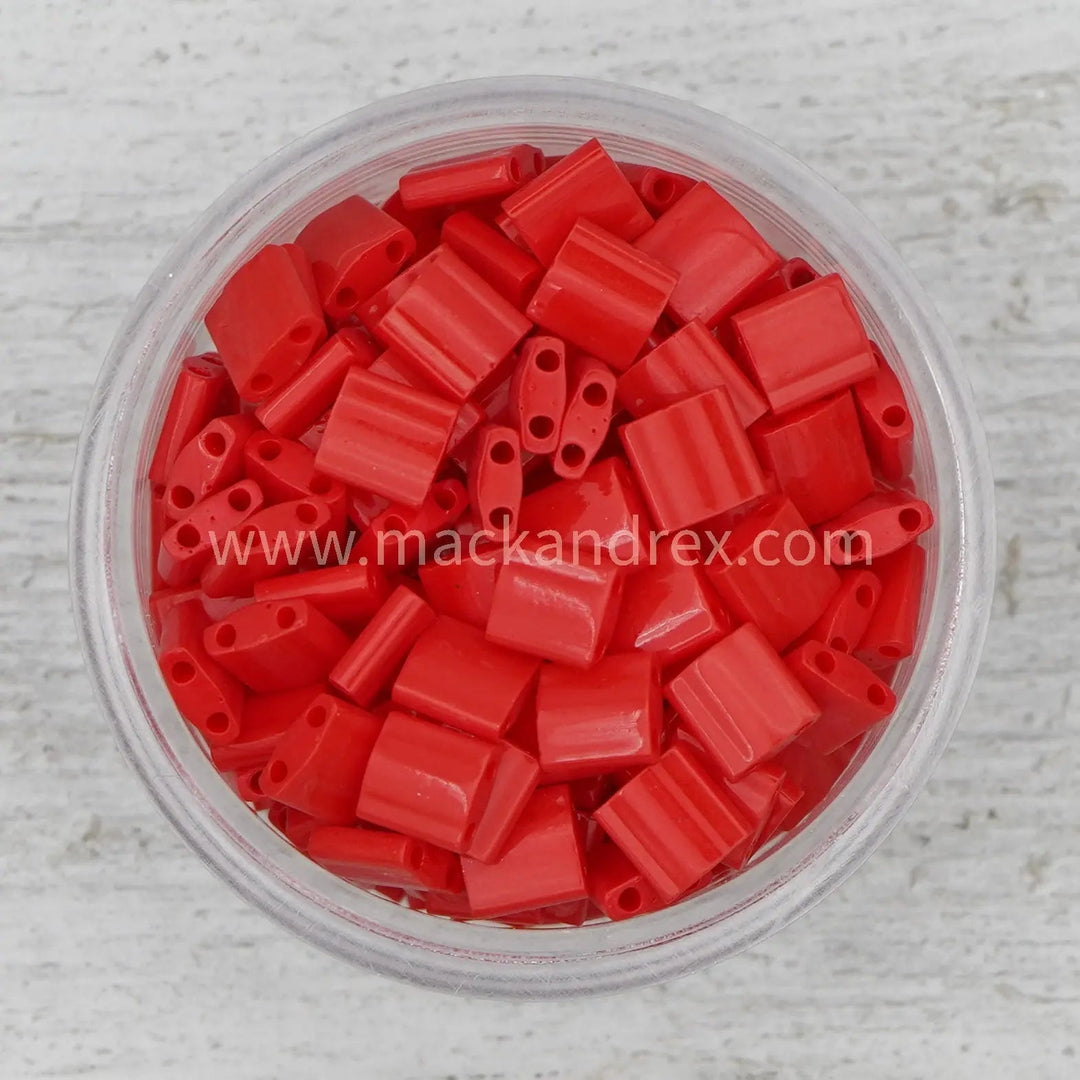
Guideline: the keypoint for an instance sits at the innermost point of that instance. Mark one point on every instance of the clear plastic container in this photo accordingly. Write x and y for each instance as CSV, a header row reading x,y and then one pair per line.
x,y
365,152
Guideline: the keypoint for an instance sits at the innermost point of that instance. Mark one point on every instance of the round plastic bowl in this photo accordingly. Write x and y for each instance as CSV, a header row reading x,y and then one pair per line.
x,y
365,152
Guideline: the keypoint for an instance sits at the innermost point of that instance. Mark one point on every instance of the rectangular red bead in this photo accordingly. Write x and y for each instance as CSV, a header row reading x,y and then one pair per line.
x,y
511,272
602,294
348,595
894,625
481,175
385,437
886,421
515,781
373,857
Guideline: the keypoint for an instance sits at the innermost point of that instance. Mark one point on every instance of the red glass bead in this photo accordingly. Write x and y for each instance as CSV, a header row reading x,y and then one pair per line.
x,y
669,610
693,460
371,310
515,781
893,627
462,588
423,224
817,455
788,796
511,272
427,781
267,320
587,419
549,606
348,595
875,527
318,764
265,718
495,479
189,545
886,421
740,702
851,697
374,658
816,774
276,644
805,344
600,720
469,177
602,294
271,541
386,438
673,822
771,571
542,863
354,249
210,698
212,460
372,857
584,184
844,621
538,393
718,255
302,401
688,362
658,189
202,391
453,327
602,511
455,675
755,794
401,535
617,887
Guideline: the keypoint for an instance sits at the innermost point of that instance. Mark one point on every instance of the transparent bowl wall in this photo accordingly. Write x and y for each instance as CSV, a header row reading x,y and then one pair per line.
x,y
365,152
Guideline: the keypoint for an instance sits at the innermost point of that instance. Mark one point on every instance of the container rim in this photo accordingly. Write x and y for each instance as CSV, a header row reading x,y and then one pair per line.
x,y
489,960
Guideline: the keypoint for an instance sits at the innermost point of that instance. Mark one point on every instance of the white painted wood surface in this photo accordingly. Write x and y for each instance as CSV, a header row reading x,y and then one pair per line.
x,y
955,952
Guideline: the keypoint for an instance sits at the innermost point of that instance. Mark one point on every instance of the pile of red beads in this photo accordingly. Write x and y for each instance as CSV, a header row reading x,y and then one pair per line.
x,y
538,546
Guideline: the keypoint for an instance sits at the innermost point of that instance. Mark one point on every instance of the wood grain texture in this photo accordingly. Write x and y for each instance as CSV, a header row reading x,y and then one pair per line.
x,y
955,951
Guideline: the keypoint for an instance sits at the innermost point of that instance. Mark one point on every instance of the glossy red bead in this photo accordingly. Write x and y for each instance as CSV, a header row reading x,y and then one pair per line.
x,y
263,721
318,764
718,255
462,588
805,344
851,697
427,781
893,628
373,659
693,460
886,421
511,272
276,644
658,189
354,248
602,294
756,794
601,720
210,698
817,455
469,177
740,701
550,606
386,438
688,362
401,535
673,822
189,545
585,424
455,675
516,776
349,595
584,184
272,541
617,887
538,393
875,527
303,400
453,327
542,863
602,511
374,857
669,610
212,460
495,479
844,621
267,320
771,571
201,392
